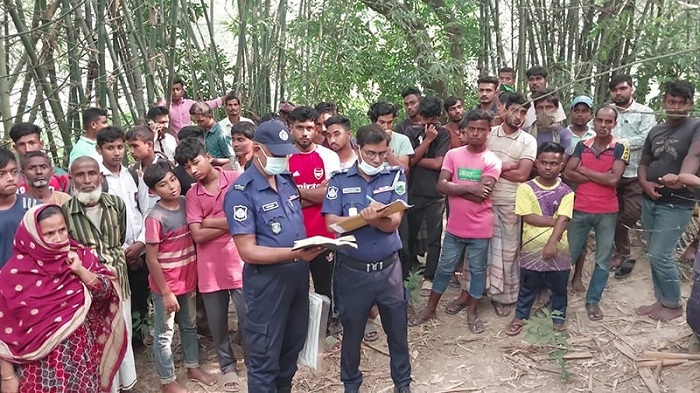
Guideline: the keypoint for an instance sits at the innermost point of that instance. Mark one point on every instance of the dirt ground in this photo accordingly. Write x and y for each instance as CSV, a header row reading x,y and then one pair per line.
x,y
446,357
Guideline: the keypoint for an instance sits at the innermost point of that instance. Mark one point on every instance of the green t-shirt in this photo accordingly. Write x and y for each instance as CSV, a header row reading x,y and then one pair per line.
x,y
400,145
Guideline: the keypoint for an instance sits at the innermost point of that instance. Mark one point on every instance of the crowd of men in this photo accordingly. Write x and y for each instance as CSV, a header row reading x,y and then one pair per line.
x,y
215,208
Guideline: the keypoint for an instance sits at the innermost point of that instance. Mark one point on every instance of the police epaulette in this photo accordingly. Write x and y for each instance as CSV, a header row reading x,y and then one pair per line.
x,y
340,171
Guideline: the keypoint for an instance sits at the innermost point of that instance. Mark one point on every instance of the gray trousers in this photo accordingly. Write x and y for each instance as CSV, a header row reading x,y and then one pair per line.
x,y
216,305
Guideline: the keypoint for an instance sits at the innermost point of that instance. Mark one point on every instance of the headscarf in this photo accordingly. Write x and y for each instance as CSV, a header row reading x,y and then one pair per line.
x,y
42,302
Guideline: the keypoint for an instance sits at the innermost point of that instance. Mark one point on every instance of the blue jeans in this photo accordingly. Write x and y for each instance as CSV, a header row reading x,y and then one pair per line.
x,y
532,282
663,224
477,256
603,225
163,324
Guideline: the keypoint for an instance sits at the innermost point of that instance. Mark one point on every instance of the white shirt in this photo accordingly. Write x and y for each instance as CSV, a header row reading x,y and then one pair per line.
x,y
633,125
135,199
166,147
559,117
226,123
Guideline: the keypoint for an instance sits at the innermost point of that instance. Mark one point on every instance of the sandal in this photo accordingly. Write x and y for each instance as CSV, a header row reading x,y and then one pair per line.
x,y
625,270
454,307
616,262
230,382
500,309
560,328
425,288
370,331
203,384
333,344
475,324
514,327
594,312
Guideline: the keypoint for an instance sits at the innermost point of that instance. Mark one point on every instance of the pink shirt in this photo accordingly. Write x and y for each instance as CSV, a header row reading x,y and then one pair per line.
x,y
176,255
467,219
310,170
180,113
219,267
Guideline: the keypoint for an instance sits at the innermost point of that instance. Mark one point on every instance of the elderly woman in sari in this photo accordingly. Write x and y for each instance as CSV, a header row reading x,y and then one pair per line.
x,y
61,327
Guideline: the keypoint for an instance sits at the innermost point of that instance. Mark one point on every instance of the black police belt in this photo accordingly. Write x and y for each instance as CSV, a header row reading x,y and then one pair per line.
x,y
368,266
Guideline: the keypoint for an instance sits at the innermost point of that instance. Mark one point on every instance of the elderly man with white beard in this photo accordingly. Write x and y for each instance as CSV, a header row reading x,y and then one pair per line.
x,y
98,220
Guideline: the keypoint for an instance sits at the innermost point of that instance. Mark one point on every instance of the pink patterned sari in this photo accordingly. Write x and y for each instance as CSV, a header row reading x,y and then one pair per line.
x,y
44,306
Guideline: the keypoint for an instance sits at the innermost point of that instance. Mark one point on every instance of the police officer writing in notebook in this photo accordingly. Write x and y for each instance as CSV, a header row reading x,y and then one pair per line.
x,y
263,211
370,274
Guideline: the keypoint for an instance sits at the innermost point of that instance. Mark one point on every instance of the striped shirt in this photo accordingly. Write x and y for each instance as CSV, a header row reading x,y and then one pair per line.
x,y
106,241
176,254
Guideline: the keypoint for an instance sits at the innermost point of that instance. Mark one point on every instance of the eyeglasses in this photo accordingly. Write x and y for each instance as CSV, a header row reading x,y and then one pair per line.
x,y
374,154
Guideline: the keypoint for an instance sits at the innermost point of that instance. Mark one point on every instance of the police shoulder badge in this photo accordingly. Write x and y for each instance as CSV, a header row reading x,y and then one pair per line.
x,y
275,227
332,192
400,188
240,213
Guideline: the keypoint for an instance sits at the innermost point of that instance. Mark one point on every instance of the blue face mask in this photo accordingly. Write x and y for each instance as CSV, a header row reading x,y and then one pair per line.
x,y
275,165
368,169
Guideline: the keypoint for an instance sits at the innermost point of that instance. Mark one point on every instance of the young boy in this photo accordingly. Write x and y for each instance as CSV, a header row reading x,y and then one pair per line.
x,y
219,267
124,183
171,259
141,141
546,205
467,178
12,205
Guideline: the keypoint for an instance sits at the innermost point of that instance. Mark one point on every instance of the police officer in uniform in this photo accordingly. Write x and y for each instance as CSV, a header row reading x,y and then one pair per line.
x,y
263,211
370,274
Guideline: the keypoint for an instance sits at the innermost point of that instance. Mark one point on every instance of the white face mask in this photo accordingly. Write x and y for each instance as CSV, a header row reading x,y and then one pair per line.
x,y
368,169
275,165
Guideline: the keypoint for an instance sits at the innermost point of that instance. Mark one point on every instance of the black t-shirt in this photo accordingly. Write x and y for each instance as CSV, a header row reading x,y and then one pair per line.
x,y
423,181
404,125
668,145
185,179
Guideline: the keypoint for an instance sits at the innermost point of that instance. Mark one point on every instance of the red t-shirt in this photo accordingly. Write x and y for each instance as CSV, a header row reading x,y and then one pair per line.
x,y
176,253
310,170
592,197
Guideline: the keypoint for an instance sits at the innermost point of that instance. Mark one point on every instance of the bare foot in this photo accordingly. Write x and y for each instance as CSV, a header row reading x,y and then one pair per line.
x,y
174,387
577,285
666,314
648,309
422,317
201,376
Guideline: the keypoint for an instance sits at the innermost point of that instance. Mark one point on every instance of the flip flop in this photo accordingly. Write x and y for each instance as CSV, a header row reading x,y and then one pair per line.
x,y
370,332
203,384
333,344
625,269
475,325
454,307
513,328
500,310
230,382
594,312
616,262
425,288
560,328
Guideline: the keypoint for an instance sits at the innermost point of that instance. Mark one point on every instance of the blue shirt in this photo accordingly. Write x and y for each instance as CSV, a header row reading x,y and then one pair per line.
x,y
348,194
253,207
9,222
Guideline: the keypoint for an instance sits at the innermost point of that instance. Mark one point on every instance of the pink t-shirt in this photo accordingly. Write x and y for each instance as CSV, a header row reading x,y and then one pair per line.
x,y
469,219
180,113
219,267
309,171
169,230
